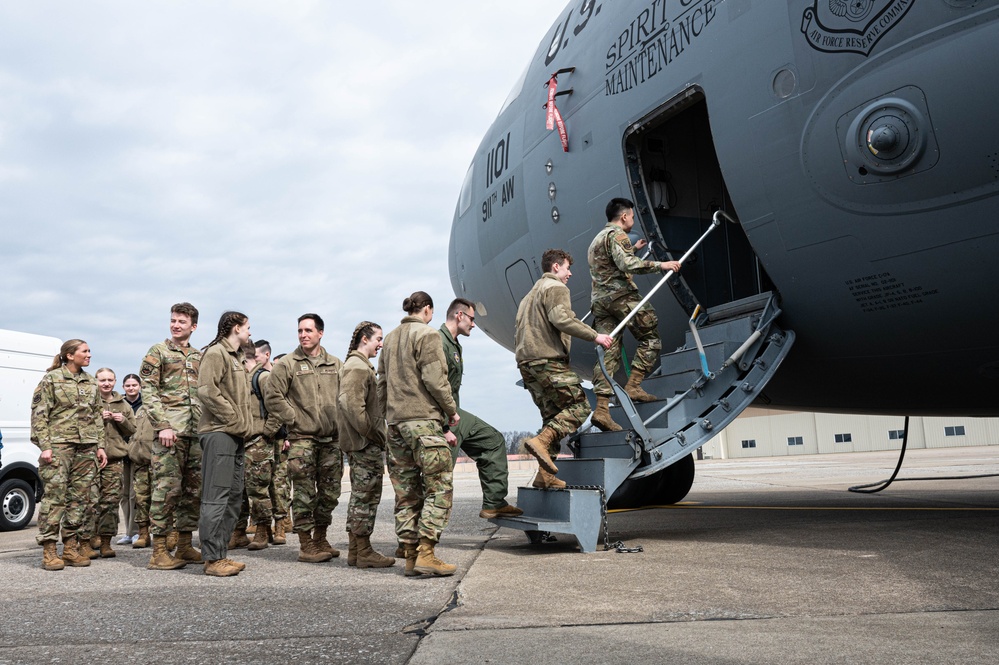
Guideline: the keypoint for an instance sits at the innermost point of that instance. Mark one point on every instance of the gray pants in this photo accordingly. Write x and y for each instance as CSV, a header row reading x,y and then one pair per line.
x,y
221,492
128,498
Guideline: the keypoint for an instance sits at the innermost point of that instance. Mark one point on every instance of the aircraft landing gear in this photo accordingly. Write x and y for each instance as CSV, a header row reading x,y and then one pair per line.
x,y
662,488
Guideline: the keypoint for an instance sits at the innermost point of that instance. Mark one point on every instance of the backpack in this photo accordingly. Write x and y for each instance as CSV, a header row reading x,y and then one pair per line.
x,y
282,433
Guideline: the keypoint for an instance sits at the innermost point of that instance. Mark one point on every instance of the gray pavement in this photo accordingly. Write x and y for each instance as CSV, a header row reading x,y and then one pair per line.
x,y
767,561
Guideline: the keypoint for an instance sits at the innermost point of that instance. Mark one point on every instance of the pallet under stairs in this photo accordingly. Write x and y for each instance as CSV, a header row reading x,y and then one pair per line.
x,y
744,346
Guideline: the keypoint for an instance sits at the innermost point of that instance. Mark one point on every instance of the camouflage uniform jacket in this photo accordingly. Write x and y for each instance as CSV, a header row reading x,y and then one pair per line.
x,y
170,387
66,408
256,403
360,417
224,392
412,374
116,434
612,263
546,322
455,364
301,394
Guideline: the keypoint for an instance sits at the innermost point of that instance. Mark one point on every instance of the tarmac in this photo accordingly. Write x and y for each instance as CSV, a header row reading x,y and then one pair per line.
x,y
768,560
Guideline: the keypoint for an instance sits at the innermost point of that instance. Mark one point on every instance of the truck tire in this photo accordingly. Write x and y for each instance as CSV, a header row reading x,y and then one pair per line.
x,y
17,504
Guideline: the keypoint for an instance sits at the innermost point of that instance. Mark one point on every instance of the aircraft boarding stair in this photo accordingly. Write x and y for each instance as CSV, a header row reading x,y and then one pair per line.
x,y
743,344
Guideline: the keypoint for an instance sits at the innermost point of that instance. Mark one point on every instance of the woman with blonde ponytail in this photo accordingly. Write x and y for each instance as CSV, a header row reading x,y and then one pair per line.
x,y
67,425
361,421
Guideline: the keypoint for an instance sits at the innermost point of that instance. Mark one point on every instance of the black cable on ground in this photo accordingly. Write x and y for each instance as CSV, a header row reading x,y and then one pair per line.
x,y
862,489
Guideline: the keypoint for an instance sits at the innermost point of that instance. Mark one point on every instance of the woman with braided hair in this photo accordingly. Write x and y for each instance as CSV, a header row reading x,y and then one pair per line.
x,y
226,423
361,421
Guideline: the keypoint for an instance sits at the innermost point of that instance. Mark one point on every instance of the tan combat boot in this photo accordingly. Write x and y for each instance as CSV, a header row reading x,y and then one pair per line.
x,y
86,549
185,551
171,540
220,568
635,390
427,562
368,557
238,540
94,542
261,537
351,549
161,559
538,447
319,538
143,539
547,481
240,566
251,529
602,418
50,556
279,537
71,554
400,550
410,554
308,552
106,551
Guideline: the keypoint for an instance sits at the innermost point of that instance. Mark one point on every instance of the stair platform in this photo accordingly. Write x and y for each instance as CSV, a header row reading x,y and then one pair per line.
x,y
575,512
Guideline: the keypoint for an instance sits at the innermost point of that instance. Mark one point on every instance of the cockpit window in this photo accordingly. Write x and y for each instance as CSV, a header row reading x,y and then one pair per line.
x,y
517,87
465,199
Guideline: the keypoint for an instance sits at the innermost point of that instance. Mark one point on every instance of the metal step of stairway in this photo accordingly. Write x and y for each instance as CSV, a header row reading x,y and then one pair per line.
x,y
576,512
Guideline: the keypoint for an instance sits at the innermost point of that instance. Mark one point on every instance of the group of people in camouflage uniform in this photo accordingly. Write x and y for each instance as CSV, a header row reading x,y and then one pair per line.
x,y
209,420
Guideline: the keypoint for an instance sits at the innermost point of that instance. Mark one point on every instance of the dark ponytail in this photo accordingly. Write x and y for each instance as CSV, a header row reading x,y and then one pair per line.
x,y
416,302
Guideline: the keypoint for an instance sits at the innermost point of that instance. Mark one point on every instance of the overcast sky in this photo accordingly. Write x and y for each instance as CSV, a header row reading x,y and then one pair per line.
x,y
273,158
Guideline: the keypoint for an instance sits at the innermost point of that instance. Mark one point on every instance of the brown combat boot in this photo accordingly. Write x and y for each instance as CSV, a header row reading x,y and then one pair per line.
x,y
185,551
86,549
308,551
538,447
427,562
143,539
171,540
410,554
71,554
635,390
400,550
238,539
106,551
251,529
368,557
547,481
351,549
319,538
279,537
240,566
50,556
220,568
161,559
94,542
503,511
261,537
602,417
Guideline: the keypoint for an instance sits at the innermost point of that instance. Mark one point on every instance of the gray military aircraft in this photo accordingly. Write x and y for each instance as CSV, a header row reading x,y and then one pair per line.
x,y
851,140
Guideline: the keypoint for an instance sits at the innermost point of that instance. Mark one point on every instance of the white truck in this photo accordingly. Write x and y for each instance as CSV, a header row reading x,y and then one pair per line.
x,y
23,360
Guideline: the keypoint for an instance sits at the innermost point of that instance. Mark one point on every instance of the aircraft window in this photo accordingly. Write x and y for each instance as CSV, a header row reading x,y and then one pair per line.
x,y
795,441
954,431
517,87
465,199
750,443
896,434
844,438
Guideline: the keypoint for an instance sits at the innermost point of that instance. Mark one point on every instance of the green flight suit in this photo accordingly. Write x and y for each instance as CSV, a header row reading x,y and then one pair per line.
x,y
480,440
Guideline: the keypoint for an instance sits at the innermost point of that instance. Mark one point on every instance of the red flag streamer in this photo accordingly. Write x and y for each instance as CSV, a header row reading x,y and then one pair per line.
x,y
554,117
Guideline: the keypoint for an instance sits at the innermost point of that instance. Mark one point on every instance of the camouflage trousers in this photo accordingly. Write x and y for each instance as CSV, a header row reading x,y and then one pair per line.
x,y
484,444
645,328
142,482
67,480
315,470
258,473
556,391
367,467
281,492
105,495
420,464
176,496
